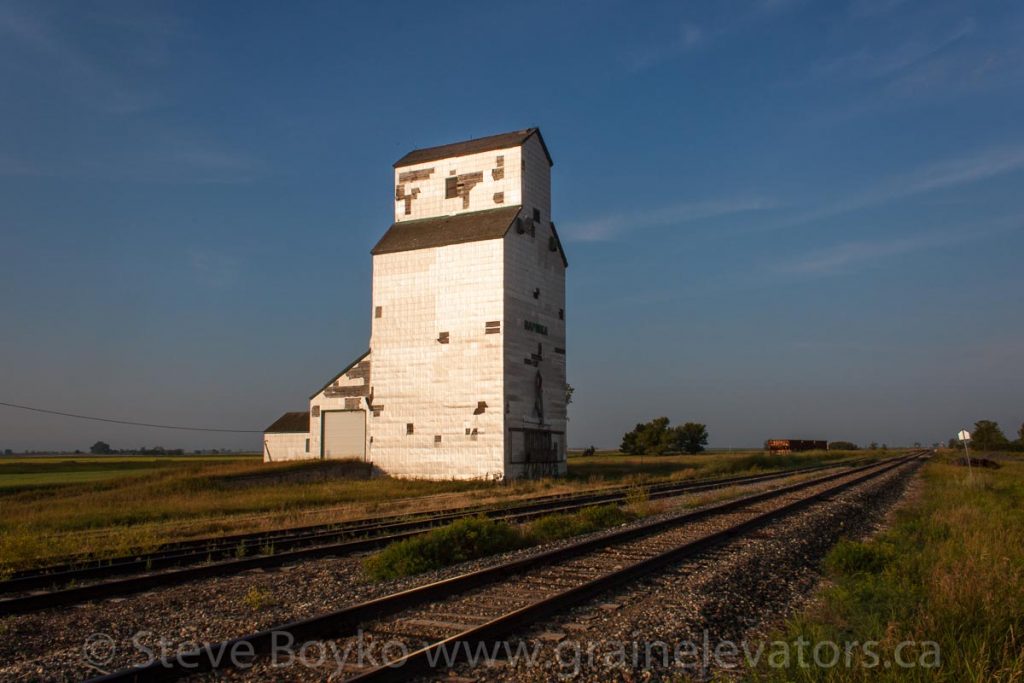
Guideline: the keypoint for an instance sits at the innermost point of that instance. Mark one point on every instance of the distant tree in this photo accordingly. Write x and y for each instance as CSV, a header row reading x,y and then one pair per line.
x,y
842,446
100,448
8,451
873,446
1020,434
917,444
952,443
589,450
693,437
658,438
653,438
987,436
568,393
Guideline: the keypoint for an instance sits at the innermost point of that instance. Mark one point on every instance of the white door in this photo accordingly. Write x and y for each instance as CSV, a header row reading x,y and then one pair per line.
x,y
344,434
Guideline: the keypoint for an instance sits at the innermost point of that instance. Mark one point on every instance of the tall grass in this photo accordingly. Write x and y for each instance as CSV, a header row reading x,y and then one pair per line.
x,y
950,570
476,537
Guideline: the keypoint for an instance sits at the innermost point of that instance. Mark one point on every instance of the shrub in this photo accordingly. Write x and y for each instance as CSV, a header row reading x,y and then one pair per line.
x,y
460,541
470,539
588,520
256,599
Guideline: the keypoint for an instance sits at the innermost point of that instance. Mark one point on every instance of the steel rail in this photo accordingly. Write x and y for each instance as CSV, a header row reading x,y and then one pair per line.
x,y
205,549
398,531
345,621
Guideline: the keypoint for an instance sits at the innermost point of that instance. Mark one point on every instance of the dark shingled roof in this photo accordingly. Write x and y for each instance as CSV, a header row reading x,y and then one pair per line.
x,y
444,230
457,149
290,422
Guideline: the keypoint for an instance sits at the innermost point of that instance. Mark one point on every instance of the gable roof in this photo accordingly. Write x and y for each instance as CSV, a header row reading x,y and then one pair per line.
x,y
485,144
289,423
441,231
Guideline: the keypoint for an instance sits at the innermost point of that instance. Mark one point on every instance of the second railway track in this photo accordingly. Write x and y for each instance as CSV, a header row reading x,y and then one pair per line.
x,y
432,621
63,584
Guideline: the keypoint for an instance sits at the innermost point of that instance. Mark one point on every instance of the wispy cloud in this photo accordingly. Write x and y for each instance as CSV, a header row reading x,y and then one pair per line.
x,y
882,61
852,255
38,40
686,37
940,175
211,164
214,269
611,226
849,255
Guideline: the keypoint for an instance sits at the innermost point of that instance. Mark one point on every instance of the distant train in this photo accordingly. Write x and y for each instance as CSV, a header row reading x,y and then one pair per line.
x,y
782,446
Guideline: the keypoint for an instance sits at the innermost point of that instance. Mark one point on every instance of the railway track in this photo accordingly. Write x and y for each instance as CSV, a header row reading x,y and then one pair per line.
x,y
428,624
62,584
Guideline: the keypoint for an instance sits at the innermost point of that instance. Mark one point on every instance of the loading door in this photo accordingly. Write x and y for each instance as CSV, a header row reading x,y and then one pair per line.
x,y
344,434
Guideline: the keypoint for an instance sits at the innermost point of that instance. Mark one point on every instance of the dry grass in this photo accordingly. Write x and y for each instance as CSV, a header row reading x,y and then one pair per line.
x,y
142,502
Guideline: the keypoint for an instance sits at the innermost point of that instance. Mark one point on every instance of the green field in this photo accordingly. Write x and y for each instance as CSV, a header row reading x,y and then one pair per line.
x,y
54,506
950,571
18,473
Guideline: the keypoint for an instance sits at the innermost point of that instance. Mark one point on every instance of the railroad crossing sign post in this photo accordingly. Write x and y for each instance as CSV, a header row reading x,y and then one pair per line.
x,y
964,437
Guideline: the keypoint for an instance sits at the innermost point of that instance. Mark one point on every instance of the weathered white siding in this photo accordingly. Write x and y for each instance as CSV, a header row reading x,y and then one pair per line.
x,y
437,387
535,341
502,178
283,446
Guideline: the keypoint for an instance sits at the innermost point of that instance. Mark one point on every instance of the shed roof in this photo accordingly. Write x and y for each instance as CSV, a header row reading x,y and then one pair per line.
x,y
441,231
289,423
485,144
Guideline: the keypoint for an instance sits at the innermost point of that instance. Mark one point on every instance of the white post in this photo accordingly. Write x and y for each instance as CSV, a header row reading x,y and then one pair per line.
x,y
964,437
967,453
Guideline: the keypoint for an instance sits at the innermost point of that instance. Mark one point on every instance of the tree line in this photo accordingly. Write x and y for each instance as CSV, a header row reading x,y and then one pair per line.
x,y
988,436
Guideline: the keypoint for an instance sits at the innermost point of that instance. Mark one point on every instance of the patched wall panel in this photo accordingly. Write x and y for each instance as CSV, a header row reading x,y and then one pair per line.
x,y
438,387
474,182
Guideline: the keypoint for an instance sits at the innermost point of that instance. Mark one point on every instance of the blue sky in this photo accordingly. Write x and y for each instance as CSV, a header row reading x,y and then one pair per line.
x,y
783,218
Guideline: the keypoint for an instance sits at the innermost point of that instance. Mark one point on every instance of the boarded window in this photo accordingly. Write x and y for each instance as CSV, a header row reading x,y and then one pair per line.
x,y
408,428
315,411
538,446
437,439
377,312
442,338
492,327
307,445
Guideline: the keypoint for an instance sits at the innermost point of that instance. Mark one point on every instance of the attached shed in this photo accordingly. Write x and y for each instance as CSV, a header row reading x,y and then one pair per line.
x,y
338,413
287,438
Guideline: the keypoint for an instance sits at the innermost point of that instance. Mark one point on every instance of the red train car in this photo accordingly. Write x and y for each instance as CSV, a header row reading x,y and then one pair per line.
x,y
782,446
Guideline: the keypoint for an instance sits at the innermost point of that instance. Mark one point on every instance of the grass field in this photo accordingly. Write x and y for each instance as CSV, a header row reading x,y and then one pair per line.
x,y
21,473
950,571
106,506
